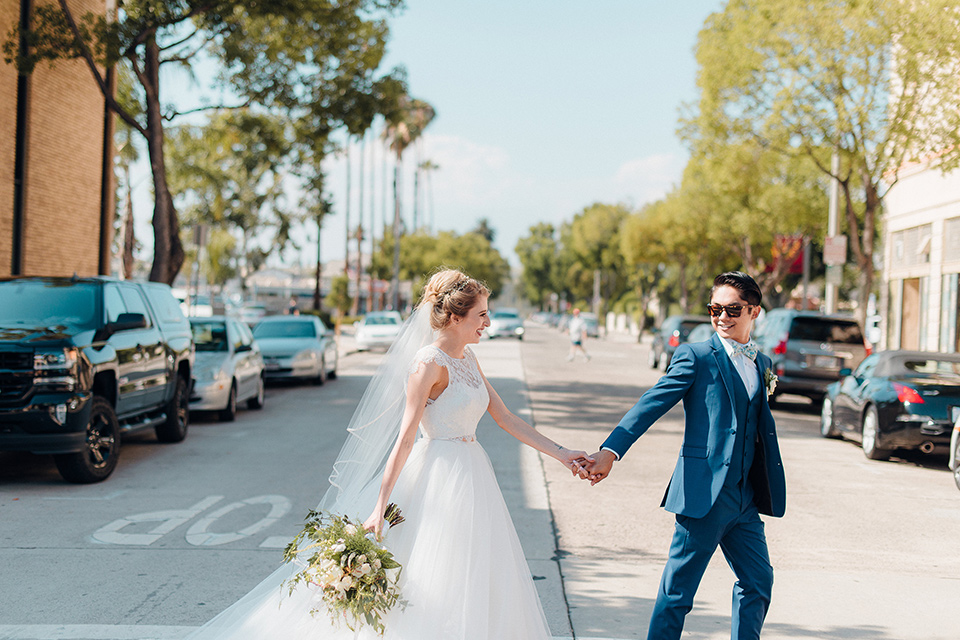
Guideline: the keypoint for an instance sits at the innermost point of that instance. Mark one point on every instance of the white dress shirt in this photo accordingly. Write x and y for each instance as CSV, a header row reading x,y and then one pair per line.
x,y
746,367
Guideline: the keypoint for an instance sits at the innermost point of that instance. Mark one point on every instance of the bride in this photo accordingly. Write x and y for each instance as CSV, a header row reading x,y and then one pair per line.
x,y
464,574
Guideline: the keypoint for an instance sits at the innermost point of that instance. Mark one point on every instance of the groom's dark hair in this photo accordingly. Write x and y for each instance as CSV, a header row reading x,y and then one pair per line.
x,y
747,286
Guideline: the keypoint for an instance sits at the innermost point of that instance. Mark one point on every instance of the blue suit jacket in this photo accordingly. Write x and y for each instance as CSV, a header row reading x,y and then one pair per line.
x,y
703,376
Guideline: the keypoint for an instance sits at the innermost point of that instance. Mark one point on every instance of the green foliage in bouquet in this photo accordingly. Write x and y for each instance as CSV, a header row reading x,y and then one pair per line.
x,y
357,576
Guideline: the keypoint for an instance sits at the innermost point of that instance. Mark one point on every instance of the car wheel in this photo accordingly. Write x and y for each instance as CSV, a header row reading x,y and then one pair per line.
x,y
174,428
827,427
870,431
101,449
256,402
664,360
956,465
229,413
652,358
322,375
332,375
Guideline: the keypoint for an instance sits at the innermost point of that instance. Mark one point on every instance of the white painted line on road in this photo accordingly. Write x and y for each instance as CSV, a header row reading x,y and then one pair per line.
x,y
91,632
118,632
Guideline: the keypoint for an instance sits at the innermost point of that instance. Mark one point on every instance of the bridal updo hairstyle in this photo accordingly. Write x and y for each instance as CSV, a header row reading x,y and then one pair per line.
x,y
450,293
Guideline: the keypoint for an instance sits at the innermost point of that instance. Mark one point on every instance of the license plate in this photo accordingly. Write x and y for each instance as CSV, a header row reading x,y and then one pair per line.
x,y
271,366
825,362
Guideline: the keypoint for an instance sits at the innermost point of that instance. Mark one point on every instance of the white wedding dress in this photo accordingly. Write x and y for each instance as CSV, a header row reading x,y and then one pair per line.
x,y
464,574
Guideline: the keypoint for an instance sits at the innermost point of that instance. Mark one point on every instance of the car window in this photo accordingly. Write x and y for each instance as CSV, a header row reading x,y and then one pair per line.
x,y
281,329
380,320
826,330
209,335
48,304
164,304
135,302
933,367
687,326
113,304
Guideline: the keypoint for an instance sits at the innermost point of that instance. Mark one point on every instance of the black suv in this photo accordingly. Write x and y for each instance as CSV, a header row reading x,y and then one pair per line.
x,y
83,360
671,334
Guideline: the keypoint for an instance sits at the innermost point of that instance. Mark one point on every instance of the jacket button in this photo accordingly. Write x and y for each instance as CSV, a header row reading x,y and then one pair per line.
x,y
726,463
733,431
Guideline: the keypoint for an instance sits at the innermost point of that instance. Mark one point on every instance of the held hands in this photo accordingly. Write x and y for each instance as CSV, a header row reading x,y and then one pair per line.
x,y
598,466
575,461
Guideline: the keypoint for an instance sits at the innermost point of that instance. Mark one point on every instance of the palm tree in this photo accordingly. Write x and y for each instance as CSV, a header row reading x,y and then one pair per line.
x,y
404,126
426,168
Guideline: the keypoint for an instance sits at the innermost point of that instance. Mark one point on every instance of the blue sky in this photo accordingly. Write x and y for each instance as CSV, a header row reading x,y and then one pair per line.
x,y
542,109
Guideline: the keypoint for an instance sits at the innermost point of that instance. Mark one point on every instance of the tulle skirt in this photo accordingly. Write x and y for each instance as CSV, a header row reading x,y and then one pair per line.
x,y
464,573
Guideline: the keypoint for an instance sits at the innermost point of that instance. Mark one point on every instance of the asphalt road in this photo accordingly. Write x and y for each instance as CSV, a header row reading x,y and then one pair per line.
x,y
866,550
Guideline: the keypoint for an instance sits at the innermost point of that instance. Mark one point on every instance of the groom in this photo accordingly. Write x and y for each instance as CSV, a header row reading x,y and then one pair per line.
x,y
729,470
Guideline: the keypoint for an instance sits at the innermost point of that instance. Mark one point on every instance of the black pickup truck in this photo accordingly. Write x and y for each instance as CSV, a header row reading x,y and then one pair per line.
x,y
83,360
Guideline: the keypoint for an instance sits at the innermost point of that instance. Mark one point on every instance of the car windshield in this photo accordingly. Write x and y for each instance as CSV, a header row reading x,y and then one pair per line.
x,y
826,330
505,315
209,336
48,304
380,320
687,326
282,329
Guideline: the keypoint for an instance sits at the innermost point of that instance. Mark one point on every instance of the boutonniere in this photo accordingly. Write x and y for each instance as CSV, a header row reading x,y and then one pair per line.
x,y
769,381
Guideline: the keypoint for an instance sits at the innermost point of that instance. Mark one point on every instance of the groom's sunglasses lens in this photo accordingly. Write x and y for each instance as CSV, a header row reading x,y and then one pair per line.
x,y
733,310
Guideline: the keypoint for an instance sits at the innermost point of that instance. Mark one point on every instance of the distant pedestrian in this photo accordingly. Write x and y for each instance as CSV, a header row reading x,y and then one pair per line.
x,y
578,334
292,308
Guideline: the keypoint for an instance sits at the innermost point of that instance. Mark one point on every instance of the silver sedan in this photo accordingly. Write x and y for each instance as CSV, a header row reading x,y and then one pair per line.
x,y
297,347
229,367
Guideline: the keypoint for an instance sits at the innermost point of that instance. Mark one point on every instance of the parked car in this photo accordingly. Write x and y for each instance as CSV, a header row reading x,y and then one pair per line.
x,y
84,361
505,323
672,333
377,330
701,332
895,400
297,347
955,446
229,367
808,349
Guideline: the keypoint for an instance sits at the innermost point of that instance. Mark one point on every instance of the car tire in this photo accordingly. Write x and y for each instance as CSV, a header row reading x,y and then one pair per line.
x,y
322,375
229,413
101,450
332,375
174,428
664,360
652,358
827,427
256,402
869,431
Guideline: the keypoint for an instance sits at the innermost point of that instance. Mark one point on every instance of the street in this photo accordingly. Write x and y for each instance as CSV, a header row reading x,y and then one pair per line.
x,y
866,549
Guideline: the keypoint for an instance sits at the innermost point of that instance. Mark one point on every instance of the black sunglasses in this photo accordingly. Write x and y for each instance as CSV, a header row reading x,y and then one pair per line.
x,y
733,310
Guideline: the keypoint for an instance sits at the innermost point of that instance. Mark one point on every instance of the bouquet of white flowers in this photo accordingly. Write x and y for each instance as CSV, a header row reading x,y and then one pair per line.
x,y
356,575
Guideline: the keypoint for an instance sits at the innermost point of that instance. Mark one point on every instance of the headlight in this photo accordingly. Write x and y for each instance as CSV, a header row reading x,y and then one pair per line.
x,y
518,331
209,375
303,357
56,360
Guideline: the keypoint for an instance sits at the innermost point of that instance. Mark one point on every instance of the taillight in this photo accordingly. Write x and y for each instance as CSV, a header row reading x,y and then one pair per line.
x,y
674,340
868,347
907,394
781,347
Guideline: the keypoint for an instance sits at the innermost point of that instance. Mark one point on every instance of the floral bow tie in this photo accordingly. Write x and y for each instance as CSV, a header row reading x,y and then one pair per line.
x,y
749,350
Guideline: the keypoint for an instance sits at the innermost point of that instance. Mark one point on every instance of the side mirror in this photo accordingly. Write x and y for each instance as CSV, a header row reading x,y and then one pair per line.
x,y
244,347
845,372
127,321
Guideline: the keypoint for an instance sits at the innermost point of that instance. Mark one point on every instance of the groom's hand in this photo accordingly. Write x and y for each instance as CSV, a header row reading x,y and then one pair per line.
x,y
601,466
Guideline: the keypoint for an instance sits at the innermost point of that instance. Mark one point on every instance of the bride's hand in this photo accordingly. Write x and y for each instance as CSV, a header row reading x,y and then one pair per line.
x,y
575,460
375,524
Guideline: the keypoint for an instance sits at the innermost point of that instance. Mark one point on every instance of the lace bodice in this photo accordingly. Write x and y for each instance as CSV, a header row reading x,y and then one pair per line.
x,y
454,414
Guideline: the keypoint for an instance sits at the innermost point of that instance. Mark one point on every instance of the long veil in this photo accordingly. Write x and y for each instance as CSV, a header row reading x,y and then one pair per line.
x,y
354,485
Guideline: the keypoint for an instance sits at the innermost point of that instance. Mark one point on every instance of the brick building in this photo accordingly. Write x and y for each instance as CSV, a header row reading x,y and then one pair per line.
x,y
53,146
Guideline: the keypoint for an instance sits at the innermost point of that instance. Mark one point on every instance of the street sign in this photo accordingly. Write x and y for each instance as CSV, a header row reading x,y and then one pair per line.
x,y
835,251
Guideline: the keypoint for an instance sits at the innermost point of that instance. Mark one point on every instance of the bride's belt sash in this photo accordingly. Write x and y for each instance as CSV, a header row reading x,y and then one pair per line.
x,y
469,438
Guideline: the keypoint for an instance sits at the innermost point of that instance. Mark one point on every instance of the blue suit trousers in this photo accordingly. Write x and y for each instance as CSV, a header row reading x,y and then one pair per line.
x,y
734,524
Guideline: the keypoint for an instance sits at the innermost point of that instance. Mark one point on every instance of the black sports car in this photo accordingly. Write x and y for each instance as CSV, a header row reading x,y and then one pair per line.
x,y
895,400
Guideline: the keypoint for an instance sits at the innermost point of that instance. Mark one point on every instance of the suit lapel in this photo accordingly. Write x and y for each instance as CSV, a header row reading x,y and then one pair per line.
x,y
726,368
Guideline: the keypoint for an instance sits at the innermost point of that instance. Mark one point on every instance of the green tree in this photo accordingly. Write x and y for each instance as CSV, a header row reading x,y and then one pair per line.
x,y
874,80
219,259
593,237
274,53
537,252
339,297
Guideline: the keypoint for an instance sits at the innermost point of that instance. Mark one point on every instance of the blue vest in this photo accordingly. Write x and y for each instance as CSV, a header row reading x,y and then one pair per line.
x,y
745,443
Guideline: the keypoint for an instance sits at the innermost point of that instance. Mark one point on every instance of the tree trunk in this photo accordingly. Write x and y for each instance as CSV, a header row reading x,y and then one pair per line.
x,y
317,302
346,215
684,295
167,248
355,307
129,239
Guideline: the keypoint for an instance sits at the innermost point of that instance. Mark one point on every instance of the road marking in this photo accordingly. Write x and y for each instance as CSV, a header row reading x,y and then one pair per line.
x,y
276,542
119,632
199,536
169,519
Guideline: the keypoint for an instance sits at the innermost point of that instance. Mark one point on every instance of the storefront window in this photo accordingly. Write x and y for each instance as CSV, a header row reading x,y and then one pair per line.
x,y
949,314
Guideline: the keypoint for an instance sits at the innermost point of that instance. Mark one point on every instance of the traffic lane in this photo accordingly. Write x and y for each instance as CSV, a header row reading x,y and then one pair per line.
x,y
262,472
859,525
